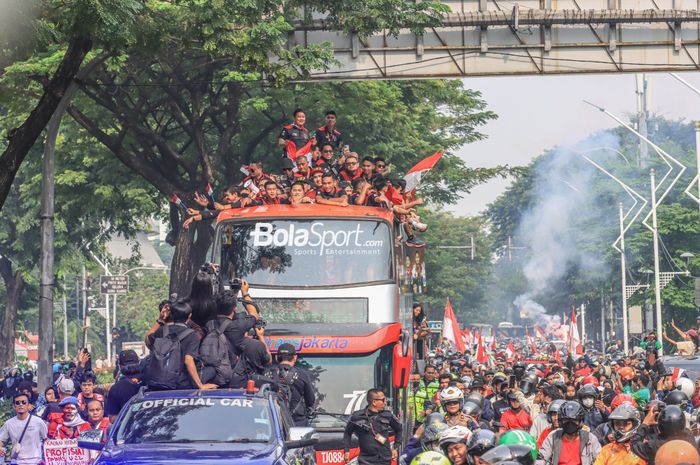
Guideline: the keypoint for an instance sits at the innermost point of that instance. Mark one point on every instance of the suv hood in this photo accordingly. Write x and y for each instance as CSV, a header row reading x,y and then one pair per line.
x,y
184,454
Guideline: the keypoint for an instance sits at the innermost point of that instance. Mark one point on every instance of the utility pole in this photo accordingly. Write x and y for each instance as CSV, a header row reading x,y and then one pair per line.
x,y
642,115
510,247
697,155
583,324
623,269
65,325
657,278
83,326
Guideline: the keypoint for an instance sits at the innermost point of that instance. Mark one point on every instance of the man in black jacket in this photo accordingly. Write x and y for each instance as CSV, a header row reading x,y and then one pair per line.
x,y
373,426
297,379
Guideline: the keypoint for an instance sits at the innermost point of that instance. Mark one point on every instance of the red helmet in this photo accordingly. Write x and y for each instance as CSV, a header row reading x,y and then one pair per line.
x,y
621,399
626,373
591,380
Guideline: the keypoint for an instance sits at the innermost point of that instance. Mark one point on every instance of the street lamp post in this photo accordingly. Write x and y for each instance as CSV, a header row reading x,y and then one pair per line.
x,y
623,266
657,278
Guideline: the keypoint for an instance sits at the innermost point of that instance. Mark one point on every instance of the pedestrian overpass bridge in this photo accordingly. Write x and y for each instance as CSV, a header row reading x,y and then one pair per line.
x,y
525,37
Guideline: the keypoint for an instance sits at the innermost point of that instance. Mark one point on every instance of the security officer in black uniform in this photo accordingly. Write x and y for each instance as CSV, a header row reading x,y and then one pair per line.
x,y
373,426
299,380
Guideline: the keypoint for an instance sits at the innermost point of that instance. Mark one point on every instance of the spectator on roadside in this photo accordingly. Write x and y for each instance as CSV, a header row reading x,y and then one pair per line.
x,y
126,387
26,432
95,419
66,388
25,387
87,388
420,329
66,426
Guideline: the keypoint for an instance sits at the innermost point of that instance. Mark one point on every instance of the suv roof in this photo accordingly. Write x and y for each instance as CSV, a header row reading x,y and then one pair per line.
x,y
263,393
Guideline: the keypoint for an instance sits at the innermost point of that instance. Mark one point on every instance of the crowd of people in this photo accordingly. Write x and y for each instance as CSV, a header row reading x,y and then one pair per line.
x,y
601,407
317,168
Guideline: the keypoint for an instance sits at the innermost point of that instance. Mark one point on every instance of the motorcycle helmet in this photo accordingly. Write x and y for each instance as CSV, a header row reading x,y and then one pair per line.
x,y
528,383
677,398
451,394
476,398
454,435
571,415
482,441
625,412
519,370
621,399
516,436
430,440
471,409
430,458
433,418
627,373
553,408
517,453
592,380
686,386
587,390
676,452
671,422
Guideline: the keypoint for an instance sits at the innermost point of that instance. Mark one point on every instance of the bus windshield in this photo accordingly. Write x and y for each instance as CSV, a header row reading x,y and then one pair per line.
x,y
341,383
306,253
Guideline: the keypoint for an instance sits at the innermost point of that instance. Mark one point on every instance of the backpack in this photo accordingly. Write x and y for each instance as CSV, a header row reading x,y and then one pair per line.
x,y
166,363
214,351
284,377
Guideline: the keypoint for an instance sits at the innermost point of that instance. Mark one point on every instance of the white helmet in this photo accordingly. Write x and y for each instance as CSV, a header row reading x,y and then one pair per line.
x,y
686,386
451,394
454,435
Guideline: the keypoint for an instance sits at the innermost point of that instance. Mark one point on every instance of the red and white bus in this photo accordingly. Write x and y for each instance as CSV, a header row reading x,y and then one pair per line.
x,y
336,283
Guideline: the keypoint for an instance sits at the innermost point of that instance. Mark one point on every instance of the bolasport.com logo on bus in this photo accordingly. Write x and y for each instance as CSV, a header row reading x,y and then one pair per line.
x,y
315,240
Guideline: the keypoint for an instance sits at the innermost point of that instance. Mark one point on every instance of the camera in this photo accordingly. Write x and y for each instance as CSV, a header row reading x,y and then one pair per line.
x,y
260,324
235,284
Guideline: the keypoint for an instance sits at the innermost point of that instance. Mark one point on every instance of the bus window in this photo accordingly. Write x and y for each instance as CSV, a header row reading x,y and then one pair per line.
x,y
306,253
296,311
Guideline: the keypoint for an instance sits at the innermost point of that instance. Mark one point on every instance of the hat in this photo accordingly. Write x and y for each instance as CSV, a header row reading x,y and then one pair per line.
x,y
66,386
512,396
286,349
127,357
24,386
69,400
691,333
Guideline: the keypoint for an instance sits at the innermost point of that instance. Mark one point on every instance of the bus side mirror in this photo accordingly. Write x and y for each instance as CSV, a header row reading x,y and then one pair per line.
x,y
401,366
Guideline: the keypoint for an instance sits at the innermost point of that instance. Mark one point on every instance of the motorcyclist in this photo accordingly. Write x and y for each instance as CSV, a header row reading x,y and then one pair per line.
x,y
658,427
453,442
625,420
481,442
596,413
571,440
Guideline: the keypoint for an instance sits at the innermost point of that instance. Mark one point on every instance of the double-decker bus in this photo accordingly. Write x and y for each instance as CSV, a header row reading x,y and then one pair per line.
x,y
337,284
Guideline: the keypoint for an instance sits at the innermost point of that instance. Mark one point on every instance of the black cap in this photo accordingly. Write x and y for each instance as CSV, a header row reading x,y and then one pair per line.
x,y
512,396
287,164
286,349
127,357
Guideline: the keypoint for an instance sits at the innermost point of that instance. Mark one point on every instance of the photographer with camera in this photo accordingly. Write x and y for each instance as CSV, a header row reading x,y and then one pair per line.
x,y
253,357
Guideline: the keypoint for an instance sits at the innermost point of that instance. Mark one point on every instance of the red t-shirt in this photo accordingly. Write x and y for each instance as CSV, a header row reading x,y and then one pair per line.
x,y
570,452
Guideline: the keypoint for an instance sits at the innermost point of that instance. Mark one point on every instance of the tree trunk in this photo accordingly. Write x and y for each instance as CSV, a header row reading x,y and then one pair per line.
x,y
190,254
15,288
22,139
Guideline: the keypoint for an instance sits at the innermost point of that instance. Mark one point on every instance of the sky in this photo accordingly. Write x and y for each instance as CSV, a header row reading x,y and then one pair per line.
x,y
536,113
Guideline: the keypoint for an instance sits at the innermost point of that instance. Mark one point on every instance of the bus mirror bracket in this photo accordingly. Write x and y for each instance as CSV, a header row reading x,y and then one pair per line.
x,y
401,366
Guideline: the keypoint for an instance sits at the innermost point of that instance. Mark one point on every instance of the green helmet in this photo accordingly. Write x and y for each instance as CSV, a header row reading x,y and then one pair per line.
x,y
430,458
517,436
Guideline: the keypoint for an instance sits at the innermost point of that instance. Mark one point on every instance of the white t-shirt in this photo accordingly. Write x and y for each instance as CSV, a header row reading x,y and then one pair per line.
x,y
30,454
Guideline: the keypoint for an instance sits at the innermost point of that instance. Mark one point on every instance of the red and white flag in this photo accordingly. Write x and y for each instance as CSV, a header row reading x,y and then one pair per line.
x,y
510,350
450,328
467,336
481,350
539,332
677,372
574,338
557,357
531,340
415,174
493,343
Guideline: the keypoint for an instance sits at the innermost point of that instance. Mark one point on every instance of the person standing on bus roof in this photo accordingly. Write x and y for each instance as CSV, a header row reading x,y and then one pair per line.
x,y
328,134
373,426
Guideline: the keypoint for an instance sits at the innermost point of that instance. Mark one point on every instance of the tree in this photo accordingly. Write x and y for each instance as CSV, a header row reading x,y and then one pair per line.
x,y
76,26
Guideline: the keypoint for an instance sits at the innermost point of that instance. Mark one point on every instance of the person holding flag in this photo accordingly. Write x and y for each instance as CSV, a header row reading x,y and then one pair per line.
x,y
450,329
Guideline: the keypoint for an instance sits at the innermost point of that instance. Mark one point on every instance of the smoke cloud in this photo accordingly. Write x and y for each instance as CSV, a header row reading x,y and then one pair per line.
x,y
563,204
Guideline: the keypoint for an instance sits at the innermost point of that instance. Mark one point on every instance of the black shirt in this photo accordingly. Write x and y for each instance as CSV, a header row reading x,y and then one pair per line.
x,y
119,395
332,195
255,355
328,136
302,389
235,332
300,135
366,424
188,346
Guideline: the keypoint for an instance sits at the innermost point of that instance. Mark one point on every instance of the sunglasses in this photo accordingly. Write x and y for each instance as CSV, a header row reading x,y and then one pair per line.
x,y
21,402
327,151
381,166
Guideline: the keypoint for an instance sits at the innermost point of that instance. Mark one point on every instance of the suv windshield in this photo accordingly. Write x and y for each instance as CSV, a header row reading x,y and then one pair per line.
x,y
294,253
197,420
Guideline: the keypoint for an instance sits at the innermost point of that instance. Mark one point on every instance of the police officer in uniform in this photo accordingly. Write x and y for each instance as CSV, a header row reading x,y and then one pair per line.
x,y
299,380
373,426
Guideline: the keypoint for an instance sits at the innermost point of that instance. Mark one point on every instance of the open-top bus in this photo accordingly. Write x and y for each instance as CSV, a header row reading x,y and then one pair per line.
x,y
336,283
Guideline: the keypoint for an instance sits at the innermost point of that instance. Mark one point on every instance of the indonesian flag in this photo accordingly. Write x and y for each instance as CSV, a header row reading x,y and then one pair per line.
x,y
293,152
574,338
467,337
394,195
210,192
539,332
414,175
510,350
677,373
178,201
481,351
531,341
557,357
450,328
493,343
